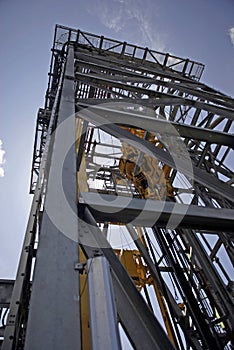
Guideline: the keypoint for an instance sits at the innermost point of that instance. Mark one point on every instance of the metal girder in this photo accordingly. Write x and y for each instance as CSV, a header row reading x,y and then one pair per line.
x,y
110,63
13,326
102,309
134,77
142,212
199,175
111,112
89,78
43,118
140,324
54,306
112,60
81,144
220,290
97,62
140,55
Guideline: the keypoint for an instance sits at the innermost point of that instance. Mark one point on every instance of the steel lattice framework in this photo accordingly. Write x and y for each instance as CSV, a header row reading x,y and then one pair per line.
x,y
109,101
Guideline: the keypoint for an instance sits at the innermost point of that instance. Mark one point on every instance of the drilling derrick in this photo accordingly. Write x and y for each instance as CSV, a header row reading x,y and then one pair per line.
x,y
129,242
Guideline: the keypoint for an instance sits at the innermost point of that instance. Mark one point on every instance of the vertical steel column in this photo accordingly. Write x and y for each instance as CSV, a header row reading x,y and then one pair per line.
x,y
54,314
140,324
103,314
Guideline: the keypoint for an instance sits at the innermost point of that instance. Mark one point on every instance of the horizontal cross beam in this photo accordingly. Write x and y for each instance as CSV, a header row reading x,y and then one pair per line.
x,y
141,212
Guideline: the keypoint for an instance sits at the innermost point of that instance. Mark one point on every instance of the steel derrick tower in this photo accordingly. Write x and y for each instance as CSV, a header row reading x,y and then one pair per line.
x,y
131,225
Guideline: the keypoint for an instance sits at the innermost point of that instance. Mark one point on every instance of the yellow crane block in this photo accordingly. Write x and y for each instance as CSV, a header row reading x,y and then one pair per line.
x,y
150,178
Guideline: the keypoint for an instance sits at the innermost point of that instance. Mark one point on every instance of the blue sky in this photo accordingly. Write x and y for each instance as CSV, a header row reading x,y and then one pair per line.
x,y
199,30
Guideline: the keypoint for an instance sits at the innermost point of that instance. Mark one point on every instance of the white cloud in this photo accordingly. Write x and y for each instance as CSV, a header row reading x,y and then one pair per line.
x,y
2,159
133,20
231,33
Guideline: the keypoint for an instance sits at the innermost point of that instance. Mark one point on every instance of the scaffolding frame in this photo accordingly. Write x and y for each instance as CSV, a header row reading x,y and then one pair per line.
x,y
104,84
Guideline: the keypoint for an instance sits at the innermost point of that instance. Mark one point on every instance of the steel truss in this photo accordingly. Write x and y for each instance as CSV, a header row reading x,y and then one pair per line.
x,y
72,290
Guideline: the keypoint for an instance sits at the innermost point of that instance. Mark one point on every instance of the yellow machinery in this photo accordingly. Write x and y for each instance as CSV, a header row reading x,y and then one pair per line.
x,y
150,178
